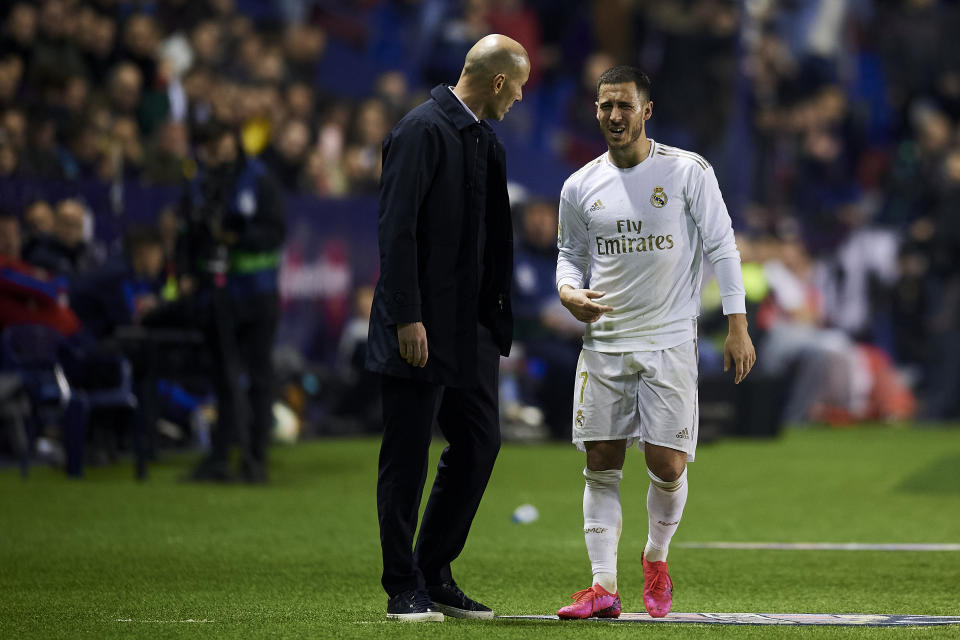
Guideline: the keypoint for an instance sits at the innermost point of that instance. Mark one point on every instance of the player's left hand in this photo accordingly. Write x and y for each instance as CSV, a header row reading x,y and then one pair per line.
x,y
738,348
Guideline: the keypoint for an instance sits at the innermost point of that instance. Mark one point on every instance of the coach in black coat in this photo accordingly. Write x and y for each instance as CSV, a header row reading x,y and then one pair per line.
x,y
441,319
443,194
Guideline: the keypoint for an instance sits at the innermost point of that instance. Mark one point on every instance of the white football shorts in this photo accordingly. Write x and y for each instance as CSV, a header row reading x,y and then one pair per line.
x,y
639,396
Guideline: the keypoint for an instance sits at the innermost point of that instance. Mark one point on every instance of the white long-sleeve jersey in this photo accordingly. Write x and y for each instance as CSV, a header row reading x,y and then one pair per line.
x,y
639,234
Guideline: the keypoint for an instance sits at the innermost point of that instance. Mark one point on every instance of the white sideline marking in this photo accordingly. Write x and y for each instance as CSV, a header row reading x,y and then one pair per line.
x,y
791,619
164,621
822,546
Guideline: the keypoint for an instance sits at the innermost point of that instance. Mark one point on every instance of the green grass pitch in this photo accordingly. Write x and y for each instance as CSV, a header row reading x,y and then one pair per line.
x,y
106,557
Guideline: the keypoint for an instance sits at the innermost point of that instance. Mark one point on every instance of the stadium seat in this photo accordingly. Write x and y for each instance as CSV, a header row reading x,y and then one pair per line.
x,y
32,352
14,413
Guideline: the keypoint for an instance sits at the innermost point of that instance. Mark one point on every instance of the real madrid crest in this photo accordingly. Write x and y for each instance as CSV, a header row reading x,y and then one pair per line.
x,y
580,419
659,198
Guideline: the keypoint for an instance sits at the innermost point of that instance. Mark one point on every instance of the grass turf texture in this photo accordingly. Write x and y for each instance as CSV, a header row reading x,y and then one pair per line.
x,y
300,558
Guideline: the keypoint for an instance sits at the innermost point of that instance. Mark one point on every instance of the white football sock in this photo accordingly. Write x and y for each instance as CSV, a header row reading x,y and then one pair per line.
x,y
602,521
665,501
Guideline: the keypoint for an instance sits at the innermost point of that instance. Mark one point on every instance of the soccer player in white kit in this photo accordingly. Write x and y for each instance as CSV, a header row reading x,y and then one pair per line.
x,y
634,226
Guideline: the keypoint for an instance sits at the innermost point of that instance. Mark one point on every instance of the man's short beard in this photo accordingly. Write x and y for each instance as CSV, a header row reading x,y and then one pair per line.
x,y
626,143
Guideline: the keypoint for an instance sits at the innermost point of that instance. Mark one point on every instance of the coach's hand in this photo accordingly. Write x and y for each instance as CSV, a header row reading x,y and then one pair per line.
x,y
738,347
412,337
580,302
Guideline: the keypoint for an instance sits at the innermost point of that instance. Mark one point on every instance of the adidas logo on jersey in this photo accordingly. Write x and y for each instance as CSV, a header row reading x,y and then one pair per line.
x,y
684,435
596,206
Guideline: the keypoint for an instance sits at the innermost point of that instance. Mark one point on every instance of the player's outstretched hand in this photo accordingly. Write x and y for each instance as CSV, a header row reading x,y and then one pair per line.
x,y
738,348
412,338
580,302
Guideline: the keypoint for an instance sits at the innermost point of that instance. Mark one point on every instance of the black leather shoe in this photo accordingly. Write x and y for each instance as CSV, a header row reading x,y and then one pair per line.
x,y
454,603
210,471
253,472
413,606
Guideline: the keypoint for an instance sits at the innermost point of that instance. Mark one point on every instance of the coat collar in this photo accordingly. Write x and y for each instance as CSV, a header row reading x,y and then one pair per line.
x,y
452,107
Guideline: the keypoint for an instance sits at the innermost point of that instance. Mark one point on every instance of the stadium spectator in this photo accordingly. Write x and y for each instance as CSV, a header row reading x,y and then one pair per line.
x,y
9,160
393,90
27,294
795,336
233,216
13,123
287,156
207,44
141,43
694,51
125,86
303,46
10,237
96,39
38,220
325,174
66,251
942,232
11,75
126,148
123,293
166,156
300,101
362,154
20,31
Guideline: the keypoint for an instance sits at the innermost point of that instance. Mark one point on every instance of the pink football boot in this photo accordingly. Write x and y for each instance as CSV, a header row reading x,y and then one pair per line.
x,y
595,602
657,588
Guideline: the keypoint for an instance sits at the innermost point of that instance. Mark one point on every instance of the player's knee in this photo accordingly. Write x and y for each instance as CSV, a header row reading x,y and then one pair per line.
x,y
667,476
667,464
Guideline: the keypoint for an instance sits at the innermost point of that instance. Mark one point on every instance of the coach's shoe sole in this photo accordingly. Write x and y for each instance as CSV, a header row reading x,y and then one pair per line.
x,y
427,616
454,612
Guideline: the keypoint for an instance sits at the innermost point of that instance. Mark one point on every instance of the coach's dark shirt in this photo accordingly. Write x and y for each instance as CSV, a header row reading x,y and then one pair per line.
x,y
446,241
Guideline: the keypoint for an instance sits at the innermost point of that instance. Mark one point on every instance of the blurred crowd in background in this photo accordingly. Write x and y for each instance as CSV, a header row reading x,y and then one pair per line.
x,y
833,126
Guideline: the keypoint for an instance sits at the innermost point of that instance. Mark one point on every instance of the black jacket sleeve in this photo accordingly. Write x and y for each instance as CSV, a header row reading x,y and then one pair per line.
x,y
410,156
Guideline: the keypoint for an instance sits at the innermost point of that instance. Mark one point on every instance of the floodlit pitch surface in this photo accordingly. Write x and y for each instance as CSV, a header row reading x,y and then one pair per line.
x,y
106,557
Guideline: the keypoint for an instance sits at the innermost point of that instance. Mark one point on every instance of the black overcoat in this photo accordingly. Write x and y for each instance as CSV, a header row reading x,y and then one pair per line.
x,y
444,175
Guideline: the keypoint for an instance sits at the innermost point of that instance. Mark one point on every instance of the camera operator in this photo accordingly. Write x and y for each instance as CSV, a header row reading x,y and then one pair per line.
x,y
234,229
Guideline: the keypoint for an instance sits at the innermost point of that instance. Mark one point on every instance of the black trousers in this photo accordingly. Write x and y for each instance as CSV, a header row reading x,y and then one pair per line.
x,y
469,420
242,341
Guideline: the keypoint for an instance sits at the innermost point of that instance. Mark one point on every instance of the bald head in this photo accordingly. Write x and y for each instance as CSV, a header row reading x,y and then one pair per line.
x,y
494,54
494,72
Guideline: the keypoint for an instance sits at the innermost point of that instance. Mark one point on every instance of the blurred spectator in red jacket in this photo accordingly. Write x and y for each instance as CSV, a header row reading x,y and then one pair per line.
x,y
27,294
